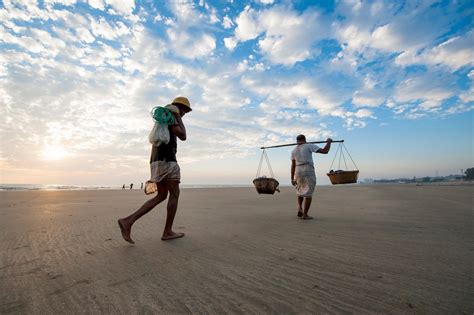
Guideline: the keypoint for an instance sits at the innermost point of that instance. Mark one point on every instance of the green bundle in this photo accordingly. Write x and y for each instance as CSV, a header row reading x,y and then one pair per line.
x,y
162,116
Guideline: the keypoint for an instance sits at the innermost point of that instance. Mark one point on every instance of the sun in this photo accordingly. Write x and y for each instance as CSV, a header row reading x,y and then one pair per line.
x,y
54,153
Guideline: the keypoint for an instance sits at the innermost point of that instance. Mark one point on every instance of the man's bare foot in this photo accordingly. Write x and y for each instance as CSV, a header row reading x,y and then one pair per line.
x,y
300,213
125,229
171,236
306,217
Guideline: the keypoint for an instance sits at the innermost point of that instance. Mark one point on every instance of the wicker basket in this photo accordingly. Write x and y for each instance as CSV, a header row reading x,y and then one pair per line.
x,y
266,185
343,177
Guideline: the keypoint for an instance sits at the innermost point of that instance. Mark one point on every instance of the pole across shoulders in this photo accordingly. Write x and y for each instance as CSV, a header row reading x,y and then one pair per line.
x,y
291,144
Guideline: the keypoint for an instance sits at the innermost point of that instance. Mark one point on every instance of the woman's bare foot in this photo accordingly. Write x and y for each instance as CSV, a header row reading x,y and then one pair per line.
x,y
125,229
306,217
300,213
171,236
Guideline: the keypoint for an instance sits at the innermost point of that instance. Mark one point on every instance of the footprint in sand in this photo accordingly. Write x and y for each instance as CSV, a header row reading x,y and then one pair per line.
x,y
120,282
62,290
19,247
53,276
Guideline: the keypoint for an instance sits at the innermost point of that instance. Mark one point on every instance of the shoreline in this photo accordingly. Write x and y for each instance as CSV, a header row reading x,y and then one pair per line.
x,y
40,187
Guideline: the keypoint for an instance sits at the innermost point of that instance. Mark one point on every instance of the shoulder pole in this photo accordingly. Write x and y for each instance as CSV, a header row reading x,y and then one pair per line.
x,y
290,144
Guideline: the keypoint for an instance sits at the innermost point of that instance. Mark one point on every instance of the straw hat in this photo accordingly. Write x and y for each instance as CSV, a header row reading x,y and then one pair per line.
x,y
182,101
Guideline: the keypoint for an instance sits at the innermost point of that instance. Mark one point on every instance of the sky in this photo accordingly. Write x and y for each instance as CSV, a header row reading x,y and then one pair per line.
x,y
393,79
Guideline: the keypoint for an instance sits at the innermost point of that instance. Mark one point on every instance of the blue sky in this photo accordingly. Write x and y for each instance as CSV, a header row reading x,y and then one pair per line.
x,y
394,79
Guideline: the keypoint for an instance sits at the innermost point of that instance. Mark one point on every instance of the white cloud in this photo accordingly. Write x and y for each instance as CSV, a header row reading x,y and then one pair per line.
x,y
169,21
289,42
369,83
247,24
213,19
425,87
15,28
423,94
191,45
158,18
467,96
102,28
230,43
63,34
14,13
364,113
25,42
84,35
250,65
371,29
412,29
243,66
186,35
430,105
471,74
266,1
282,43
386,37
458,109
353,36
54,45
72,20
97,4
407,58
455,53
122,7
63,2
356,119
227,22
299,92
367,99
186,14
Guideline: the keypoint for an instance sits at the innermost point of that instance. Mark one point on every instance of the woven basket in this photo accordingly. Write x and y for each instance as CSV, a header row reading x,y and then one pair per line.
x,y
266,185
343,177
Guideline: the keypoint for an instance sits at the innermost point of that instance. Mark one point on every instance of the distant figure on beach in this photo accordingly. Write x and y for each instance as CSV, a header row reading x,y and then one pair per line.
x,y
123,187
141,187
165,177
131,186
303,176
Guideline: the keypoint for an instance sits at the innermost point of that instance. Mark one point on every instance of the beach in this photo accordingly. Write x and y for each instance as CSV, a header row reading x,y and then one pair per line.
x,y
370,249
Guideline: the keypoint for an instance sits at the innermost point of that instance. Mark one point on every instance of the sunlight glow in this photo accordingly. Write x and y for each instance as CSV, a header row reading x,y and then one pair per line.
x,y
54,153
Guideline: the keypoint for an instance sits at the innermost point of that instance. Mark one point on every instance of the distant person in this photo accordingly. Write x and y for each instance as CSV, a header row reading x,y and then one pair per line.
x,y
123,187
303,175
141,187
165,177
131,186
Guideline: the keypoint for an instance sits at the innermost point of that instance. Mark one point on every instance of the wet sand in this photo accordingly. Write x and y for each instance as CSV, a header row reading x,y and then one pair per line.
x,y
370,249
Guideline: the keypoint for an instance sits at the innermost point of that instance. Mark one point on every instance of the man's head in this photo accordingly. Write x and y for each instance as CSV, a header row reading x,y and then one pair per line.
x,y
300,139
183,104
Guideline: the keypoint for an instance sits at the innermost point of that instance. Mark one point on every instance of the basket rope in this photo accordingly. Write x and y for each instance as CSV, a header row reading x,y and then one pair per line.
x,y
350,156
341,155
335,155
264,154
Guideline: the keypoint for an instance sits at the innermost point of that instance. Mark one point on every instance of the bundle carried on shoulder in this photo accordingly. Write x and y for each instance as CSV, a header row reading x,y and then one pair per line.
x,y
163,117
